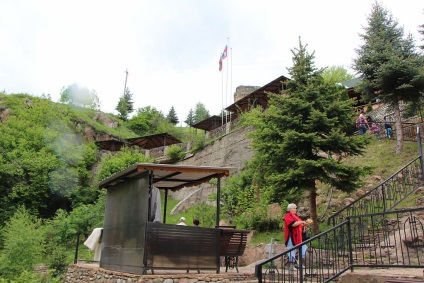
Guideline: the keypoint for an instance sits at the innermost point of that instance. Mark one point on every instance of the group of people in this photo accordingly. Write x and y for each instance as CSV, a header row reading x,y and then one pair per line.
x,y
294,231
196,221
362,126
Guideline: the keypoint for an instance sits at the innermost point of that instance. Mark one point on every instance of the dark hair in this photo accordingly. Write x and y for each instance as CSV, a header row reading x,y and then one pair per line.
x,y
196,222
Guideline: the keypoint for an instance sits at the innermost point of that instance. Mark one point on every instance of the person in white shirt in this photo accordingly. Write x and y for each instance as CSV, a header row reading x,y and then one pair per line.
x,y
182,221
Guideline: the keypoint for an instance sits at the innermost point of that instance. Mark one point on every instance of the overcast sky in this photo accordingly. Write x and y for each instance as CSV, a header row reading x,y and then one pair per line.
x,y
171,48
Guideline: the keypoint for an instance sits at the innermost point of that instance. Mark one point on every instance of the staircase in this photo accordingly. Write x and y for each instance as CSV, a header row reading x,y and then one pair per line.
x,y
369,232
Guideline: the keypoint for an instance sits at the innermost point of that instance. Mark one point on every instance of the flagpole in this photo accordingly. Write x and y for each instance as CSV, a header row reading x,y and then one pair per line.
x,y
226,84
231,78
222,97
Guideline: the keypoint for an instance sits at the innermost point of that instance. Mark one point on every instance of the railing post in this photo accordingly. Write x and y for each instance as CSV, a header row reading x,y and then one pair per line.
x,y
258,272
349,241
420,151
383,192
76,249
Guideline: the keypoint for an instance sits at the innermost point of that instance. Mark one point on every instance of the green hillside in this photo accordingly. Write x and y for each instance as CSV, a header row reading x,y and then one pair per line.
x,y
46,160
49,171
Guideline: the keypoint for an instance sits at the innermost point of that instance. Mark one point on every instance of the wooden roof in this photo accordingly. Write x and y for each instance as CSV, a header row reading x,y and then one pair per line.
x,y
153,141
210,123
167,176
110,145
258,97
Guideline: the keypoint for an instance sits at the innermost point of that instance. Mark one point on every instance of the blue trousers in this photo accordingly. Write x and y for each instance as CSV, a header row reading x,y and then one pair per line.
x,y
292,254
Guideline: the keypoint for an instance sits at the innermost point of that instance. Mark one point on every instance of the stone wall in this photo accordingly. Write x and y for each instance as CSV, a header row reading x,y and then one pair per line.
x,y
242,91
230,150
79,273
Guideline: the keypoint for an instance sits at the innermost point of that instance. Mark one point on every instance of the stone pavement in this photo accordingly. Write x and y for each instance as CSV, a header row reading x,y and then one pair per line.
x,y
359,275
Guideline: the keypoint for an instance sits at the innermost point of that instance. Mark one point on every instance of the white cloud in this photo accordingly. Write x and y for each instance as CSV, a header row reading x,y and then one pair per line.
x,y
171,48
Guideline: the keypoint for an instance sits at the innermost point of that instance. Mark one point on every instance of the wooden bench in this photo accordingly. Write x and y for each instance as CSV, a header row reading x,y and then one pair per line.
x,y
232,245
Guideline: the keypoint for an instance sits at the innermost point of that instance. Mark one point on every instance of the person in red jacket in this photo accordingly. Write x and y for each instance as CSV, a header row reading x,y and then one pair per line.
x,y
293,227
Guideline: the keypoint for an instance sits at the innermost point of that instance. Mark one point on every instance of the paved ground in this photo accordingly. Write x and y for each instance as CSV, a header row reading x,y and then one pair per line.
x,y
359,275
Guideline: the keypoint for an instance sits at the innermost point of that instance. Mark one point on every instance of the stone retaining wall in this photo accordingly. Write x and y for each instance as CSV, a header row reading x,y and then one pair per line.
x,y
80,273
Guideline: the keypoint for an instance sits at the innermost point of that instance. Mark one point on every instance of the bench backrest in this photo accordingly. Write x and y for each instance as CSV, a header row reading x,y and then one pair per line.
x,y
233,242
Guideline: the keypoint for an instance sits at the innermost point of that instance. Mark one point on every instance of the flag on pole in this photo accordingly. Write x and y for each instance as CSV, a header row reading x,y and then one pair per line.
x,y
224,54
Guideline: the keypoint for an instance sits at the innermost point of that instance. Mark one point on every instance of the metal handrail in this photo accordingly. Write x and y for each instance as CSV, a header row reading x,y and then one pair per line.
x,y
386,195
387,239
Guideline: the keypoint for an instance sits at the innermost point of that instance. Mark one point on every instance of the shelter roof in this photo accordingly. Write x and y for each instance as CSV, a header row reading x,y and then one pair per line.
x,y
210,123
259,96
110,145
153,141
166,176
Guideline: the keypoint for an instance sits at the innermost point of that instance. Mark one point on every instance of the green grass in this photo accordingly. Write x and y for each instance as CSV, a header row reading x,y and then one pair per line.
x,y
380,156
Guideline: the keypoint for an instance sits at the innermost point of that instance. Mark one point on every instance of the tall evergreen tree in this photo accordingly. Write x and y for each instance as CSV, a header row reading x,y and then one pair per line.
x,y
125,105
390,66
172,116
190,118
297,137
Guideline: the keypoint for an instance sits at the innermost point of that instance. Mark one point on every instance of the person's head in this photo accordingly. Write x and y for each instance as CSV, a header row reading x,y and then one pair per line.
x,y
292,208
361,115
196,222
182,219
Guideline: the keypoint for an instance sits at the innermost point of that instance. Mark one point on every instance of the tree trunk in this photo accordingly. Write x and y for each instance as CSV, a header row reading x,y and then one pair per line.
x,y
313,207
399,132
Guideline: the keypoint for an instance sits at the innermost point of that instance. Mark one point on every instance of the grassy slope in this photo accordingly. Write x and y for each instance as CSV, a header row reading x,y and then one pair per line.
x,y
380,156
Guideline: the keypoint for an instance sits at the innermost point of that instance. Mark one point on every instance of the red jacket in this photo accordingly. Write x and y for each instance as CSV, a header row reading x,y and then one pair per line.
x,y
295,233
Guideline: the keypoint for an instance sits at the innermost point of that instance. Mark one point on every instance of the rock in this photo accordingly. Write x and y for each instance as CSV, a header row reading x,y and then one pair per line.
x,y
360,193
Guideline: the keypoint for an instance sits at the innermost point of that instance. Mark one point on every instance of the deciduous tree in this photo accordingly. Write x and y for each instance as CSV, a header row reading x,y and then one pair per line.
x,y
200,113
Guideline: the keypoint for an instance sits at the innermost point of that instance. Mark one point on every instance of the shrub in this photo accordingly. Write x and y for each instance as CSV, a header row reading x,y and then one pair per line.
x,y
23,244
175,153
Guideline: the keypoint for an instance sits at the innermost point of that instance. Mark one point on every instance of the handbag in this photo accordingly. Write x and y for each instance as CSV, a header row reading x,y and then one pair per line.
x,y
306,235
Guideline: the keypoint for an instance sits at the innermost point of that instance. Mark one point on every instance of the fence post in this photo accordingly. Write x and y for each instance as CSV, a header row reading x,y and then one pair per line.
x,y
349,241
76,249
420,151
383,192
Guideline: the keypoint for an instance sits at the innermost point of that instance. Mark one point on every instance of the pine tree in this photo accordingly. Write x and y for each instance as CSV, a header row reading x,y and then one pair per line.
x,y
172,116
389,65
190,118
297,137
125,105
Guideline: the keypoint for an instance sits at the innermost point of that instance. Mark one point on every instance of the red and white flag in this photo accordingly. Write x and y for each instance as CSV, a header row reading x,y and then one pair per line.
x,y
224,54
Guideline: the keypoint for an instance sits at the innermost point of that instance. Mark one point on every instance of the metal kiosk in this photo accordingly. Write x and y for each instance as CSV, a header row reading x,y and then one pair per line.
x,y
136,240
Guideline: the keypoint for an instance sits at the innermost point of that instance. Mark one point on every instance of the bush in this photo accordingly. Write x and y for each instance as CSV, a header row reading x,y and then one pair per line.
x,y
175,153
23,244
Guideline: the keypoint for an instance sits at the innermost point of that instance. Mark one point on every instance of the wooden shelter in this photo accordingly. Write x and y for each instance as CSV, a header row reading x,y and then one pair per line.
x,y
211,123
154,141
135,239
258,97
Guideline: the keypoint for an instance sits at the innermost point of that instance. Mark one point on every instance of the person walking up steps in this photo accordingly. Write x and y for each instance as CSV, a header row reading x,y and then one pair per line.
x,y
362,124
388,129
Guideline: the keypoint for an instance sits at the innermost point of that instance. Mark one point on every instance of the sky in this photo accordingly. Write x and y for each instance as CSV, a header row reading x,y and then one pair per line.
x,y
171,48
